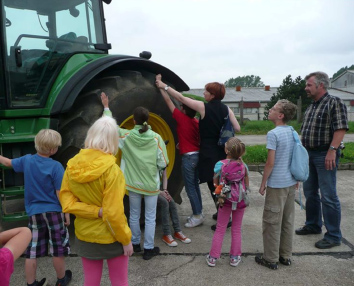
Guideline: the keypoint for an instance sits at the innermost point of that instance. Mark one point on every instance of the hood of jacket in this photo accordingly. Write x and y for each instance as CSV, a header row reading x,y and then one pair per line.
x,y
88,165
142,140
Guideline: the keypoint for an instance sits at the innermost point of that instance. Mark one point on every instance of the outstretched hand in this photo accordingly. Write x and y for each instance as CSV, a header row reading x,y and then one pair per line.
x,y
158,82
104,100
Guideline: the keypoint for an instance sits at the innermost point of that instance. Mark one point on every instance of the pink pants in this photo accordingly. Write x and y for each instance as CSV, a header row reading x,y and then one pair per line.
x,y
117,268
223,219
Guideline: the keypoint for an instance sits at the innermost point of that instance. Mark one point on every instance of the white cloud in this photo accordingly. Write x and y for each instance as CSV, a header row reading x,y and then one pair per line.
x,y
206,40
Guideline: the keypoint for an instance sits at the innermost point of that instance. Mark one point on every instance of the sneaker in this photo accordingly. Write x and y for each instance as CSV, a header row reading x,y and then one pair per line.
x,y
43,282
136,248
325,244
193,222
305,230
235,260
211,261
188,217
180,236
66,280
260,260
284,261
168,239
150,253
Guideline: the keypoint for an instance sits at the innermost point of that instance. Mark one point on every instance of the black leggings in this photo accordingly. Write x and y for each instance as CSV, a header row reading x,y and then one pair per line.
x,y
212,190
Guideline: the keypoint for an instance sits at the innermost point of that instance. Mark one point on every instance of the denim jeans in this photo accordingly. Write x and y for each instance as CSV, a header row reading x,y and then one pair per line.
x,y
190,177
322,181
168,209
150,218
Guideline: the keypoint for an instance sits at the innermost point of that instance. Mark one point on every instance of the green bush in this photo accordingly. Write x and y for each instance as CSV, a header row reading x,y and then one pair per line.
x,y
261,127
257,154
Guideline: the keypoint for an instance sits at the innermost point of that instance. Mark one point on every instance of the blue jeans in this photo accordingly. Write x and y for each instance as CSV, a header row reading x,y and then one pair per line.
x,y
150,218
168,209
323,181
190,177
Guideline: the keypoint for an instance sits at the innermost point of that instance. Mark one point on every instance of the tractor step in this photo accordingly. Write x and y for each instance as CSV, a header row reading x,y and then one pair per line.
x,y
6,195
14,217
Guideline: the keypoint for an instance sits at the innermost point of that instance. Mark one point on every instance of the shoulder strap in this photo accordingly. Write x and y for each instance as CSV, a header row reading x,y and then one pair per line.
x,y
295,135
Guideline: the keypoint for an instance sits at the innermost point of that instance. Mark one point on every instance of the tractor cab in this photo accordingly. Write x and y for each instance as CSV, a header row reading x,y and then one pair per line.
x,y
37,39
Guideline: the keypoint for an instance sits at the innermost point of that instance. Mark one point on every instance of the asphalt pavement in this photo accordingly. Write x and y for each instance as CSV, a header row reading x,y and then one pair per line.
x,y
186,265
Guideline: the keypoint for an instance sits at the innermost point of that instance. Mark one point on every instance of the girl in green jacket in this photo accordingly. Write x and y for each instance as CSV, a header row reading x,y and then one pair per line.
x,y
143,156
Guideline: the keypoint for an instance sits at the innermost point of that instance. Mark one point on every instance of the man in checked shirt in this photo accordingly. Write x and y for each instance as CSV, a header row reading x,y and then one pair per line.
x,y
325,123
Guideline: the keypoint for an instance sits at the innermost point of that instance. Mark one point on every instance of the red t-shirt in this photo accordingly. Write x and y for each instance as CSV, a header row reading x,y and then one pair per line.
x,y
187,131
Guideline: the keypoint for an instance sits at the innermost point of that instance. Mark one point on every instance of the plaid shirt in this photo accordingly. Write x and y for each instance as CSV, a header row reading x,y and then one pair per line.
x,y
321,119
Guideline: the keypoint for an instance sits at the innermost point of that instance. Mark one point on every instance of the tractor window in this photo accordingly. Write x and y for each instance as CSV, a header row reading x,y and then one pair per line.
x,y
40,36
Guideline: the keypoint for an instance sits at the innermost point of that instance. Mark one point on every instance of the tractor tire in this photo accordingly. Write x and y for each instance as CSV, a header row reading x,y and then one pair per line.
x,y
126,91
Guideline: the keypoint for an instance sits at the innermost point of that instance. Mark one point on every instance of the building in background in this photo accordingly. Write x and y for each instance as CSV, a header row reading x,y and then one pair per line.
x,y
255,99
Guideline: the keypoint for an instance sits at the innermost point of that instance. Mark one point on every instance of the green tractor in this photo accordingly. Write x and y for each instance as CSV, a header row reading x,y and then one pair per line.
x,y
54,65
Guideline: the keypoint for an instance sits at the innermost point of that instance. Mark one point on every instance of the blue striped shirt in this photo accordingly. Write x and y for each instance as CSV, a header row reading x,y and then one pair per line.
x,y
282,141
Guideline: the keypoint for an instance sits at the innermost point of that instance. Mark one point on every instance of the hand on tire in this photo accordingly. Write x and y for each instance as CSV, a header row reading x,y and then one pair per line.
x,y
104,99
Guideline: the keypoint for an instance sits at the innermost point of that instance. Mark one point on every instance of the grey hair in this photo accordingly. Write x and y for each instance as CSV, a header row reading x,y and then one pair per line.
x,y
320,77
103,136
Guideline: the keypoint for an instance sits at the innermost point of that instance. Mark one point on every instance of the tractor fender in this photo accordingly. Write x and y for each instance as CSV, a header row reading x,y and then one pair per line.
x,y
69,92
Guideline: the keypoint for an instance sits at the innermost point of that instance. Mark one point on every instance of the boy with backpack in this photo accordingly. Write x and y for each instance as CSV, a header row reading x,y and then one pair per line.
x,y
279,186
233,199
43,177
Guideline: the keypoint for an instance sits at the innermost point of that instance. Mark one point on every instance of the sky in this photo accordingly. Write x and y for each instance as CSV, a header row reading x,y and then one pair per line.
x,y
204,41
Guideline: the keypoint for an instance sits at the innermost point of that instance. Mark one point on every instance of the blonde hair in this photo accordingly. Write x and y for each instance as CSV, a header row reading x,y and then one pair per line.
x,y
235,147
46,140
103,135
287,108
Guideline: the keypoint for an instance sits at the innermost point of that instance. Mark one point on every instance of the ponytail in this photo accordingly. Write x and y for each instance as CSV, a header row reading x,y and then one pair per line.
x,y
144,128
141,116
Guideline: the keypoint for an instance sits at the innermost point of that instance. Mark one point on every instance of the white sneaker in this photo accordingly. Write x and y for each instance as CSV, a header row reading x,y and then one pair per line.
x,y
188,217
193,222
235,260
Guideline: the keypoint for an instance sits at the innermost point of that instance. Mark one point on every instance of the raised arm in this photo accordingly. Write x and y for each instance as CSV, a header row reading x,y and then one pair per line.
x,y
192,103
166,97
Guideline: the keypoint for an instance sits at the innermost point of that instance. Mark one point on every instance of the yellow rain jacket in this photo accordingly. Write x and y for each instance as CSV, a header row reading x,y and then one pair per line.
x,y
93,180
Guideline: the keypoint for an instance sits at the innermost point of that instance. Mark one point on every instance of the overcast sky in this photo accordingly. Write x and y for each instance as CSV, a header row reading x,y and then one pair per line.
x,y
204,40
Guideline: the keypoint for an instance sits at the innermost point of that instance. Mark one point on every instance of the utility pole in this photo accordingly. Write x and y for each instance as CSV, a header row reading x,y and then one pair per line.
x,y
241,110
299,112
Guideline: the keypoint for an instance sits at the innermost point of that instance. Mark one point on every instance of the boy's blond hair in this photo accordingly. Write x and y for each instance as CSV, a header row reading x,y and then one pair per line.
x,y
287,108
103,136
47,140
235,147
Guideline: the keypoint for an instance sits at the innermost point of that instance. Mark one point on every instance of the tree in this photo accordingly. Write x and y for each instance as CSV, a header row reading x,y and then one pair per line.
x,y
342,70
291,90
245,81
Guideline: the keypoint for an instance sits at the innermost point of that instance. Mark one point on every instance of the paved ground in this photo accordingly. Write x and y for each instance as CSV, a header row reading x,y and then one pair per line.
x,y
185,264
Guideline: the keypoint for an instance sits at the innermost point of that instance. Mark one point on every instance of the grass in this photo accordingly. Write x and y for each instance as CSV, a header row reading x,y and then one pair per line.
x,y
257,154
261,127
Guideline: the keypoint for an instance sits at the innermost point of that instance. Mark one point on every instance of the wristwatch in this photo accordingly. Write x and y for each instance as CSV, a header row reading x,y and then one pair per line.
x,y
166,87
333,148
